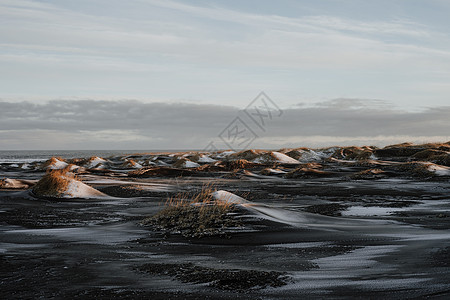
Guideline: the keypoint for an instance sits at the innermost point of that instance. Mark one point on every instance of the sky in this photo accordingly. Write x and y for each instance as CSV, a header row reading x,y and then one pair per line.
x,y
149,74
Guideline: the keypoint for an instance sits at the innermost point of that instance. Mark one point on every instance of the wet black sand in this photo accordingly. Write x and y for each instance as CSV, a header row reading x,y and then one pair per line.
x,y
341,238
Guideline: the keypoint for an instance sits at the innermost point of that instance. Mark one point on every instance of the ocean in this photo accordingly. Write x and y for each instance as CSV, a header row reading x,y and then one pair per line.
x,y
9,156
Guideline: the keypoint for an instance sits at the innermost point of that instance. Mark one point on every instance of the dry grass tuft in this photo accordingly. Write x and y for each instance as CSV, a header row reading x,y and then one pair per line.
x,y
353,153
428,154
303,172
400,145
361,155
443,159
271,171
76,161
194,215
368,174
194,157
246,154
129,163
211,167
311,165
436,156
54,183
296,153
238,164
408,149
416,169
161,172
181,163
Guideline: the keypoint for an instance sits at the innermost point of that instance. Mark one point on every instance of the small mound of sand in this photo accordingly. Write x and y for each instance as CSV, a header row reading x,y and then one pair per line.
x,y
203,158
131,164
224,154
353,152
185,163
8,183
246,155
408,149
63,184
401,145
362,155
237,164
431,155
397,151
75,168
297,153
275,157
76,161
443,160
200,158
160,171
54,163
306,173
370,163
428,154
417,169
311,165
270,171
95,162
212,167
195,215
368,174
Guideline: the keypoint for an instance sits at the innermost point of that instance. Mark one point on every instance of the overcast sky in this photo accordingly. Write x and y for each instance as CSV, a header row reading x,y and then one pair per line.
x,y
148,74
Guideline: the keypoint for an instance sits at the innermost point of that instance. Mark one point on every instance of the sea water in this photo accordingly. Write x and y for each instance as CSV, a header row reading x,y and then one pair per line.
x,y
23,156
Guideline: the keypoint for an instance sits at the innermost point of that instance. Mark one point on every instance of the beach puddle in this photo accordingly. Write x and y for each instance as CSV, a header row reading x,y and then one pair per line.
x,y
367,211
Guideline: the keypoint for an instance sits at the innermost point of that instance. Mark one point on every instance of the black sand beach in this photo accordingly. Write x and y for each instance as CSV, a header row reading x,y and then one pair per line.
x,y
324,227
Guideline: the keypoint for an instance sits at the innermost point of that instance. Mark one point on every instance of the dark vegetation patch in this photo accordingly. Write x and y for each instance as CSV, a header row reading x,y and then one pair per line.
x,y
37,276
36,217
196,215
194,221
441,257
329,209
233,165
225,279
397,151
307,173
129,191
443,159
424,218
415,169
160,171
408,149
393,203
121,293
369,174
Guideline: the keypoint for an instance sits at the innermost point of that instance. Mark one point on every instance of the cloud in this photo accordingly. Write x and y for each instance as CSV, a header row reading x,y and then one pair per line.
x,y
131,124
216,50
288,42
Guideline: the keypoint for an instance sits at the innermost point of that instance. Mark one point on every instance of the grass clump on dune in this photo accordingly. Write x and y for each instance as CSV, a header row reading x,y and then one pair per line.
x,y
305,172
54,183
238,164
54,163
416,169
196,215
368,174
64,184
